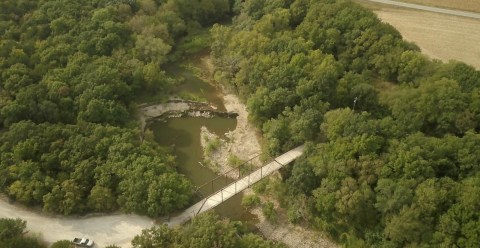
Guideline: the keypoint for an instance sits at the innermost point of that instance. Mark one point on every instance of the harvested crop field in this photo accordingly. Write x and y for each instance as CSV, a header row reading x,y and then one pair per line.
x,y
439,36
466,5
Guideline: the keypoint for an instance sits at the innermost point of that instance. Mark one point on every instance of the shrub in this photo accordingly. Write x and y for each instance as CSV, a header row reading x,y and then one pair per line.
x,y
268,210
250,201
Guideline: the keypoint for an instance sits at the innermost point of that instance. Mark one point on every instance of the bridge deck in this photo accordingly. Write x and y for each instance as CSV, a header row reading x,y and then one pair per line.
x,y
236,187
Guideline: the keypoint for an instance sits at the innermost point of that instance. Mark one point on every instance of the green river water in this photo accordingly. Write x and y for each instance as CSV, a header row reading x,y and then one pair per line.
x,y
183,135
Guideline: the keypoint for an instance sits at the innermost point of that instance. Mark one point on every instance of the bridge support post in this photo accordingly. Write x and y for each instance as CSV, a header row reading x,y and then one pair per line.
x,y
249,172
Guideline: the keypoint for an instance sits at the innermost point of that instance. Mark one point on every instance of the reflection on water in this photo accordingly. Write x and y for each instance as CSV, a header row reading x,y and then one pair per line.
x,y
183,134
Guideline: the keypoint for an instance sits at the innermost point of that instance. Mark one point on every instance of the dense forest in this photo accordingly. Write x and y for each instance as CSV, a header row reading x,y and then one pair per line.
x,y
70,72
12,235
392,157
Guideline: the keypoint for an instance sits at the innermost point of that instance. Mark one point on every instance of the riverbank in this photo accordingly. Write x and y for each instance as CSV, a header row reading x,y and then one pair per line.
x,y
243,143
240,144
294,236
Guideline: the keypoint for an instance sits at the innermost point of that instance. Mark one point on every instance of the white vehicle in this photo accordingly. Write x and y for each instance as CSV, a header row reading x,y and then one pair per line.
x,y
83,242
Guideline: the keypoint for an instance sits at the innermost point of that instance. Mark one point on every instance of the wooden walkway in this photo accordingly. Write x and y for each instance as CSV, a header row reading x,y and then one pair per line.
x,y
236,187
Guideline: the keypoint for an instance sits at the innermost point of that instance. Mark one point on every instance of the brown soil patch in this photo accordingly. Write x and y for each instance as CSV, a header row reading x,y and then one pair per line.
x,y
439,36
466,5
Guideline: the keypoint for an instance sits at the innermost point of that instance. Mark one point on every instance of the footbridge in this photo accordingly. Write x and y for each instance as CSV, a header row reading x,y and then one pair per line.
x,y
236,187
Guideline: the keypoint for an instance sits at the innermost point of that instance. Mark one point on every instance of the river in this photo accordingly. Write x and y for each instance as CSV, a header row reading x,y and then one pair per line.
x,y
183,136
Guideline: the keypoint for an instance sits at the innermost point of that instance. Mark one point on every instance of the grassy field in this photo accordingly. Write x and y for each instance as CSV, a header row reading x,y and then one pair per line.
x,y
467,5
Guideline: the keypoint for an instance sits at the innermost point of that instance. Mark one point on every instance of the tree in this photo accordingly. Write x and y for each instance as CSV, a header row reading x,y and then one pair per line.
x,y
112,246
63,244
433,108
164,193
11,228
412,65
12,234
341,123
149,48
104,111
161,236
406,228
16,77
101,199
465,75
148,7
459,225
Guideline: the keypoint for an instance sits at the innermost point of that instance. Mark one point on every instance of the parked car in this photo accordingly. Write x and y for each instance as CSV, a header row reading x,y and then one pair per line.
x,y
83,242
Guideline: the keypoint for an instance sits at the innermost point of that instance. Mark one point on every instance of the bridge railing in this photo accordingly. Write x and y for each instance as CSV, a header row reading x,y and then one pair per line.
x,y
225,178
239,185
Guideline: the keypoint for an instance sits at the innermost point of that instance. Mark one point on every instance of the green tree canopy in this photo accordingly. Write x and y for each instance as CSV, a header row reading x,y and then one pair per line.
x,y
206,230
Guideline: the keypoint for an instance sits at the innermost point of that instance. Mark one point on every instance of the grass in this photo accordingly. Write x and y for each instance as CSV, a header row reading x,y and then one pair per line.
x,y
191,44
261,187
195,70
234,161
268,209
250,201
191,97
212,146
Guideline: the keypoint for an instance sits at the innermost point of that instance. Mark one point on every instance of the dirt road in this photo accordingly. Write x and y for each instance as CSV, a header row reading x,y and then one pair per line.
x,y
430,9
467,5
103,230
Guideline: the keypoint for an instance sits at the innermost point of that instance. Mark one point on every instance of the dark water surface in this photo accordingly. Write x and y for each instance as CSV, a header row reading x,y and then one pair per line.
x,y
183,135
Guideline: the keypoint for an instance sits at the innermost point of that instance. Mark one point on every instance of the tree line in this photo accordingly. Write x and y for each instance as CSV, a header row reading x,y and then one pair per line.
x,y
392,136
205,231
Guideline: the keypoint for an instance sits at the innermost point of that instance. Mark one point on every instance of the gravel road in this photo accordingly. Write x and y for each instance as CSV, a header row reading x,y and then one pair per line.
x,y
103,230
431,9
